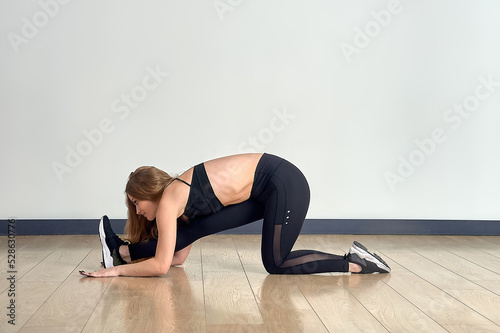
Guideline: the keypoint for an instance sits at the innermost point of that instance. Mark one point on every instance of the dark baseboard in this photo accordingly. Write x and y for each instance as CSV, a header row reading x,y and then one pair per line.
x,y
311,226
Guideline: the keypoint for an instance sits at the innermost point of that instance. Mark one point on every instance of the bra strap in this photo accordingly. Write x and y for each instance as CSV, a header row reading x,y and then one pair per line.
x,y
177,179
182,181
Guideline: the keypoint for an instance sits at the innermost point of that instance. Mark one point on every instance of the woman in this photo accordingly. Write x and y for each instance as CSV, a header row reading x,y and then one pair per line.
x,y
165,215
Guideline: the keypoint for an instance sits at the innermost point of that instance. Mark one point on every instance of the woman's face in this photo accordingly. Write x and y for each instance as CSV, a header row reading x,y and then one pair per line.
x,y
145,208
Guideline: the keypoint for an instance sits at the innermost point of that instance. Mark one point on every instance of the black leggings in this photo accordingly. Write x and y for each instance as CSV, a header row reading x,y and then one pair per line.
x,y
280,195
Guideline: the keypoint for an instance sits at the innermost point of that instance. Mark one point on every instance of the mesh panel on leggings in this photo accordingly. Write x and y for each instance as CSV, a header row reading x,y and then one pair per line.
x,y
305,261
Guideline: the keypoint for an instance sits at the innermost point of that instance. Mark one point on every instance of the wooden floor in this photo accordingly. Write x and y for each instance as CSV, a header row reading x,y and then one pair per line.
x,y
438,284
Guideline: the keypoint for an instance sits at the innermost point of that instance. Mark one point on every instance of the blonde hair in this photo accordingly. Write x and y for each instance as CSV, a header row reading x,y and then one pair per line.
x,y
145,183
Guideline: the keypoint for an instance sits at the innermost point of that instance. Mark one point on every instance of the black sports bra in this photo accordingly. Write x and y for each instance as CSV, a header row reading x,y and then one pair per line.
x,y
202,200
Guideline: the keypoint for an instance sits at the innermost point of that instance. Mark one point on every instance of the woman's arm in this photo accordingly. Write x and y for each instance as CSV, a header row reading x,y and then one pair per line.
x,y
170,207
180,256
144,270
160,263
166,220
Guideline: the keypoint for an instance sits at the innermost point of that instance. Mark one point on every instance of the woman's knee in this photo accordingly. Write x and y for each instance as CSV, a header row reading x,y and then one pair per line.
x,y
270,264
272,269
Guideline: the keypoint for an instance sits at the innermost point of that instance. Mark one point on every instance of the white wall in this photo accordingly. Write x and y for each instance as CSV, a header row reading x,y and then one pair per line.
x,y
298,76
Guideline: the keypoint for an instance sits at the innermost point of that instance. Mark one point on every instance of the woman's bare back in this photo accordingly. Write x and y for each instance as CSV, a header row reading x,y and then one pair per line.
x,y
231,177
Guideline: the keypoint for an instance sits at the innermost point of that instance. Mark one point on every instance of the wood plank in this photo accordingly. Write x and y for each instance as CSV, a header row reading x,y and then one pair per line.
x,y
282,304
484,244
20,244
337,308
220,256
80,242
177,305
430,271
483,301
40,243
74,300
472,328
57,266
460,266
62,261
29,298
27,254
229,300
493,286
235,328
248,248
64,329
192,266
392,310
476,255
124,305
3,245
25,261
438,305
491,244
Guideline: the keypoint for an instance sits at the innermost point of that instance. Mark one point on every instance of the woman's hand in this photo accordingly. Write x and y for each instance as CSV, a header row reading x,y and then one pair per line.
x,y
101,273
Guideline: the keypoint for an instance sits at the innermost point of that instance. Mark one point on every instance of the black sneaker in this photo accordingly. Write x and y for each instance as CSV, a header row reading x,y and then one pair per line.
x,y
110,244
370,262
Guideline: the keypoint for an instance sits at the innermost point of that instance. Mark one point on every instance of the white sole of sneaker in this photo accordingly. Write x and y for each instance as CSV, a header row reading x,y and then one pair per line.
x,y
106,255
363,253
